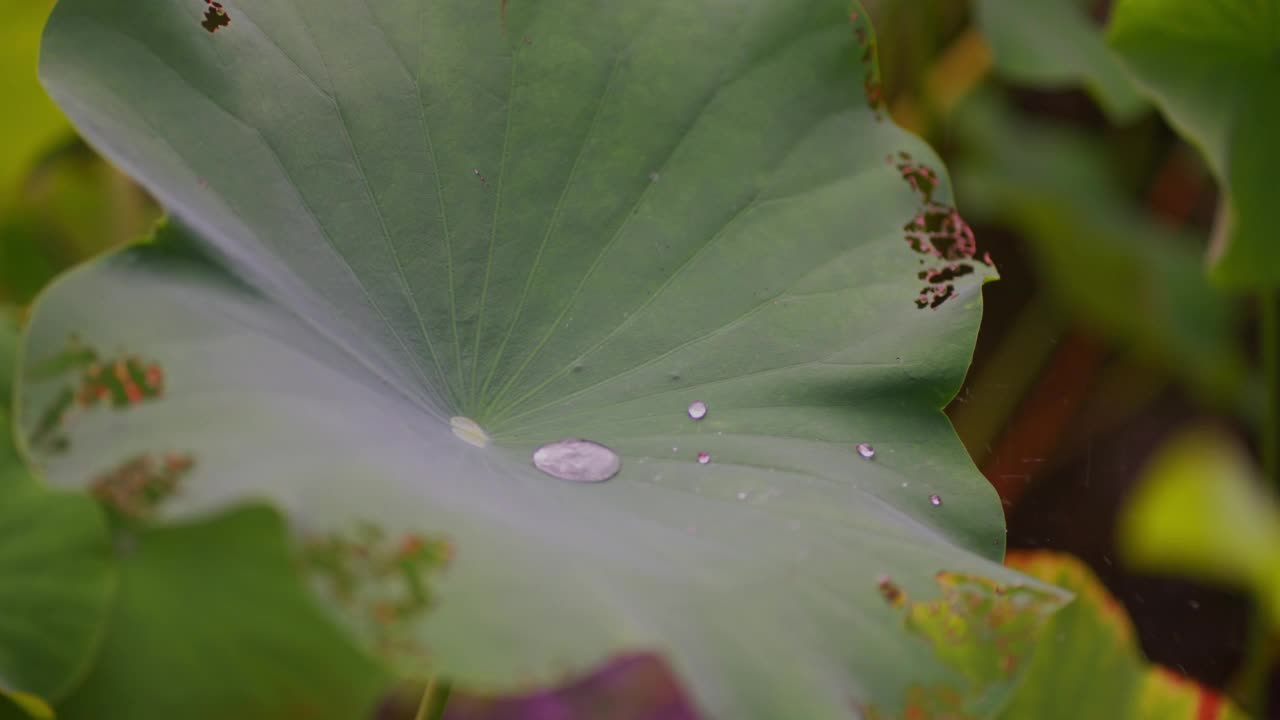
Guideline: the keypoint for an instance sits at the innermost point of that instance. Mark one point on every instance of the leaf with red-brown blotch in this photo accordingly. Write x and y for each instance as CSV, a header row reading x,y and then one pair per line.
x,y
635,686
1089,655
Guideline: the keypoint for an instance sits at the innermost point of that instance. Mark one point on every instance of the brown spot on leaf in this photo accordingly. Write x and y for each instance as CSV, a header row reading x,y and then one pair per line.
x,y
216,16
937,231
978,627
383,579
119,384
871,84
133,490
890,591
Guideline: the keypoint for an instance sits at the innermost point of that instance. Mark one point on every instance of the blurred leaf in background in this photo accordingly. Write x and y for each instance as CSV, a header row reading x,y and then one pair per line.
x,y
1201,510
56,575
1118,271
59,202
71,206
1090,666
217,609
1211,66
1073,54
32,123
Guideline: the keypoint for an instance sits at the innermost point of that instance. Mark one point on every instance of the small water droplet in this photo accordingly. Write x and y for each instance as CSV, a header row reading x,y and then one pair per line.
x,y
742,496
466,430
866,451
697,409
935,500
704,458
577,460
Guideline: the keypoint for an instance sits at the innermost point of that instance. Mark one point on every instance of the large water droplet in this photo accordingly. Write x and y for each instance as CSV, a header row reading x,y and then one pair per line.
x,y
577,460
866,451
704,458
697,409
935,500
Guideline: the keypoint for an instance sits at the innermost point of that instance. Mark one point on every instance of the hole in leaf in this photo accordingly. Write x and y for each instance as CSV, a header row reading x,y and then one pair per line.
x,y
937,231
215,17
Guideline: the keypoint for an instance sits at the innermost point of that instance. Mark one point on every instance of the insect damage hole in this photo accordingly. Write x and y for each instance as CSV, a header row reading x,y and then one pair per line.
x,y
216,16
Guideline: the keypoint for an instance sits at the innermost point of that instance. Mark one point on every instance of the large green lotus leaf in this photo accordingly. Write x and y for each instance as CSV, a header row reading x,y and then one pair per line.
x,y
1055,44
556,220
211,622
1213,68
56,576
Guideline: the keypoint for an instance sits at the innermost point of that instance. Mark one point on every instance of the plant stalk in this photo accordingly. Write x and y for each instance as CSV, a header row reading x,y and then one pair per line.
x,y
434,698
1269,318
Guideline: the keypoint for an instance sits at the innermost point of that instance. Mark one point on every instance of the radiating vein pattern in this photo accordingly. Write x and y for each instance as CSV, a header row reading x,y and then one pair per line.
x,y
638,164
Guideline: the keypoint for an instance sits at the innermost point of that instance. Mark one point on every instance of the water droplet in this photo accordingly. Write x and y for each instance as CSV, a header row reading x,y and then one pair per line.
x,y
577,460
697,409
866,451
742,496
704,458
935,500
466,430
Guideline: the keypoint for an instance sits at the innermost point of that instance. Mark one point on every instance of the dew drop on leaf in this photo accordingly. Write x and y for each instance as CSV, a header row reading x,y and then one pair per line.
x,y
697,409
468,431
866,451
577,460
